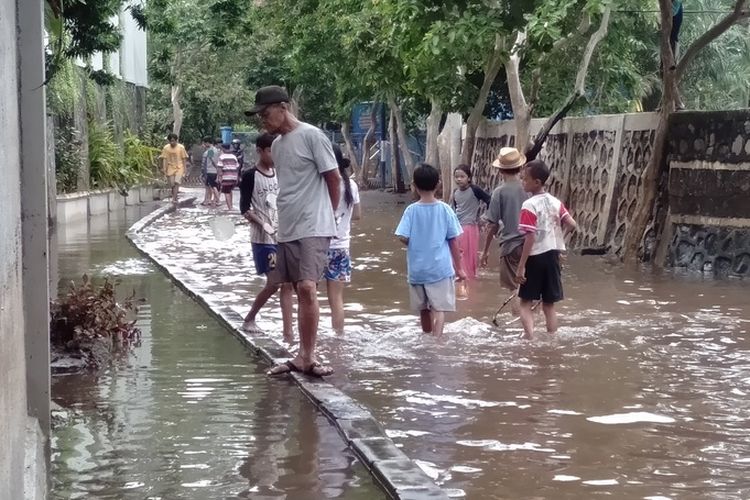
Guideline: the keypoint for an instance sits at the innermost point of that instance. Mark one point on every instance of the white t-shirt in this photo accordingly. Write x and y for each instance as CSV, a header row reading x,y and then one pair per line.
x,y
343,232
542,214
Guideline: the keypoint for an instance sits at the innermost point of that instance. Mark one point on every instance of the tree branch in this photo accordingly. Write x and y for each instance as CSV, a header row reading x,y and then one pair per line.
x,y
597,37
533,149
739,12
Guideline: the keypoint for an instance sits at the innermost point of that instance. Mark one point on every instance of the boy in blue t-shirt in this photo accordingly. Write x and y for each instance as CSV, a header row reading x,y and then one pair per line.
x,y
429,229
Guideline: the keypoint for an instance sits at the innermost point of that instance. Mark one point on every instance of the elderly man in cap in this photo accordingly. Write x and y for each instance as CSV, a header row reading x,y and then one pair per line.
x,y
309,190
504,210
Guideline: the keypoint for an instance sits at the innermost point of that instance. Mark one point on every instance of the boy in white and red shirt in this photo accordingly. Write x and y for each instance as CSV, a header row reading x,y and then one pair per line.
x,y
541,221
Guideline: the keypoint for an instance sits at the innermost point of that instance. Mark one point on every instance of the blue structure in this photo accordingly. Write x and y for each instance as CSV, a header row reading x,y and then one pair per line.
x,y
226,134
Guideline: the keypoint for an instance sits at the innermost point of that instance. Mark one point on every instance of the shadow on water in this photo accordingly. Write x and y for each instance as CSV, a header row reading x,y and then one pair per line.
x,y
190,415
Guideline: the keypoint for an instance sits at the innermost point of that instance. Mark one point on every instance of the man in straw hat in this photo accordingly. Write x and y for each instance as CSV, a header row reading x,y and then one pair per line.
x,y
503,213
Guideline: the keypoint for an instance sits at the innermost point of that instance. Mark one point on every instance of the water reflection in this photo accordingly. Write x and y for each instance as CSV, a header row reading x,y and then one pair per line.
x,y
189,415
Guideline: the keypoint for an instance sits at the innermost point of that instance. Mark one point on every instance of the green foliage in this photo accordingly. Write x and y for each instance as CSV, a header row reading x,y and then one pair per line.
x,y
67,157
139,158
115,167
88,313
719,77
105,159
79,29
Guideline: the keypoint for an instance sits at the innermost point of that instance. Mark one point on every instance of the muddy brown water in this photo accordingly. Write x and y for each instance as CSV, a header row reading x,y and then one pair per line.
x,y
642,394
190,415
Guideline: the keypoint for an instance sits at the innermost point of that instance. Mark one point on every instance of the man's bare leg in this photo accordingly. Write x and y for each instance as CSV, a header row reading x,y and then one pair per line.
x,y
527,319
175,193
287,311
550,317
336,301
438,322
309,314
228,198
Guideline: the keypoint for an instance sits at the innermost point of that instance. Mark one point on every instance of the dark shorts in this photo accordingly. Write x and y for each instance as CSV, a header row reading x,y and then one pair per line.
x,y
264,256
227,188
211,181
299,260
543,278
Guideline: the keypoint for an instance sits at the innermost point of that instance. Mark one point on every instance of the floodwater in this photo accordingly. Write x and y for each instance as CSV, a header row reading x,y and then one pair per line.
x,y
642,394
190,414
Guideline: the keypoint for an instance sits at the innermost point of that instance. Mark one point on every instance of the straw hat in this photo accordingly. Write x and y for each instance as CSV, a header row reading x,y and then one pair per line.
x,y
509,159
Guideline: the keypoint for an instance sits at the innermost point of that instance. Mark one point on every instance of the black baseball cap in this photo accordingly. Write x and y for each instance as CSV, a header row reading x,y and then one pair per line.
x,y
265,96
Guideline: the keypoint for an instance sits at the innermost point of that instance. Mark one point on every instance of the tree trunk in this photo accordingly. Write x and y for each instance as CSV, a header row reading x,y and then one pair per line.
x,y
402,139
176,109
350,152
432,155
396,177
366,140
491,69
650,175
433,129
521,109
657,165
295,105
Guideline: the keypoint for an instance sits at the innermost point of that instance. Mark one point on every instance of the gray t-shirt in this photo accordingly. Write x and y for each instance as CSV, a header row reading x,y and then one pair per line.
x,y
304,205
467,206
505,209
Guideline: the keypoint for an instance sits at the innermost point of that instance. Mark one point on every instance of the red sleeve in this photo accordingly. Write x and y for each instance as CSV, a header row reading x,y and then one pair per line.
x,y
527,221
563,212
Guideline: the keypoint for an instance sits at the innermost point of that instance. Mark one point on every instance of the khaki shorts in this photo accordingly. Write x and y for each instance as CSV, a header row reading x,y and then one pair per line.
x,y
175,180
299,260
440,296
509,267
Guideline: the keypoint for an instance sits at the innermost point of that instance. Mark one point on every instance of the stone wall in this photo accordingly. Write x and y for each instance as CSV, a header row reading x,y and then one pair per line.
x,y
595,164
709,192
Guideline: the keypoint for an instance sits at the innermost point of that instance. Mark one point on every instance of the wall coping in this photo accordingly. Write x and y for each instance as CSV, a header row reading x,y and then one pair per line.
x,y
397,474
94,192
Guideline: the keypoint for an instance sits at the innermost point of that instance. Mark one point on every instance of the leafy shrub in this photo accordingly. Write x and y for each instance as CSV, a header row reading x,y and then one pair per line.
x,y
89,314
140,158
105,158
67,158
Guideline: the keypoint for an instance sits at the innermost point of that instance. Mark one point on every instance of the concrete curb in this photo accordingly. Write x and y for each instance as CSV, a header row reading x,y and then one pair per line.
x,y
398,475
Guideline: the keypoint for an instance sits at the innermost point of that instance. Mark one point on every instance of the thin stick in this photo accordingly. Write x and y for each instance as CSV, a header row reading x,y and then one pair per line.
x,y
533,308
494,318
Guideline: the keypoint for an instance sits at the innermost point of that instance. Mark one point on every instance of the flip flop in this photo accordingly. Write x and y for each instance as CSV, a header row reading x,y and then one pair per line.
x,y
323,371
285,367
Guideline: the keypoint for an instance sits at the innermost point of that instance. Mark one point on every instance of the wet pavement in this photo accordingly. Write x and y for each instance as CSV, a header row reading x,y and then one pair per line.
x,y
190,414
643,394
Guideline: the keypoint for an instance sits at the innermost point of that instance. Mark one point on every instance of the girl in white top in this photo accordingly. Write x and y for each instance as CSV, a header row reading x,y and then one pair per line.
x,y
339,270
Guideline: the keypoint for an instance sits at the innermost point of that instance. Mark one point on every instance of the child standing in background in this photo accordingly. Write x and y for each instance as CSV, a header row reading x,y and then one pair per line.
x,y
228,171
430,230
467,200
339,269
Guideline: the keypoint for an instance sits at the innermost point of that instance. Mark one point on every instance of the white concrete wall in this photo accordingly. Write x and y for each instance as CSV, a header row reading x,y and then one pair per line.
x,y
12,351
133,55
